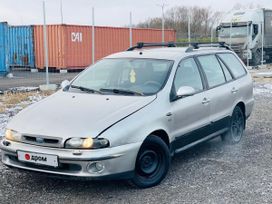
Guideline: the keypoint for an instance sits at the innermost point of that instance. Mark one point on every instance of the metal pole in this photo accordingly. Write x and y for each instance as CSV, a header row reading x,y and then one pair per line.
x,y
189,26
45,43
230,33
211,34
262,43
93,37
163,5
130,29
247,44
61,12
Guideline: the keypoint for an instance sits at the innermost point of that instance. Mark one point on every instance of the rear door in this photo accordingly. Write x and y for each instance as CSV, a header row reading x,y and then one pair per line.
x,y
190,114
219,91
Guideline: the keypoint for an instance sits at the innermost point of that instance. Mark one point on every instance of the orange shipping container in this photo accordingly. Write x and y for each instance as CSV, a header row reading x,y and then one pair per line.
x,y
109,40
70,46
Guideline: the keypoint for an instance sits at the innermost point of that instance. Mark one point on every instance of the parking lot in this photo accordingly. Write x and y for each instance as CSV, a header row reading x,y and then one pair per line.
x,y
210,173
26,78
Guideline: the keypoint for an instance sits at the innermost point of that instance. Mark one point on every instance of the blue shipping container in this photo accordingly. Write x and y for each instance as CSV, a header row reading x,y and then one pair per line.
x,y
4,67
21,46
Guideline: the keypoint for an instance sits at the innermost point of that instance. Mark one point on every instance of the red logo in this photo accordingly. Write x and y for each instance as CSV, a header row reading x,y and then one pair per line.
x,y
27,156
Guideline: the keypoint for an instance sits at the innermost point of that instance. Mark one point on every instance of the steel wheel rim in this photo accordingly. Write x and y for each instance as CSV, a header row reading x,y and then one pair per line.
x,y
237,126
149,162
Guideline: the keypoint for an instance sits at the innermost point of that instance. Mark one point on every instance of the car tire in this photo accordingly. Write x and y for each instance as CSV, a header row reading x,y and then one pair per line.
x,y
256,58
236,127
152,163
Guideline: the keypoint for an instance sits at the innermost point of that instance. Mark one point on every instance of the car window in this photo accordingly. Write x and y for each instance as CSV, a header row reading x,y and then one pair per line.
x,y
188,75
226,71
233,63
212,69
145,76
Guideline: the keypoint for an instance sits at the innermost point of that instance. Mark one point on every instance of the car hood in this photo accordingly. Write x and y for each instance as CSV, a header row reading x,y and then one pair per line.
x,y
66,114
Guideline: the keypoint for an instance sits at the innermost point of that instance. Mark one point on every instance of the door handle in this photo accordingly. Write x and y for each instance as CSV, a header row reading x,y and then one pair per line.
x,y
234,90
169,114
205,101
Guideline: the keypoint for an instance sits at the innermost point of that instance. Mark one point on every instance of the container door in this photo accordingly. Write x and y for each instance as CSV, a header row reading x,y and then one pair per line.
x,y
21,49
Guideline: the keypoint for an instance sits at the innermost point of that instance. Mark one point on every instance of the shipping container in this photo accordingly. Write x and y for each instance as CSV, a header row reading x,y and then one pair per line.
x,y
152,35
21,46
70,46
4,68
109,40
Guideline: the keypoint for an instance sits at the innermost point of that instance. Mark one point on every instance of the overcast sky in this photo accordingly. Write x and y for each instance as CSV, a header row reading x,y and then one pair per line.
x,y
107,12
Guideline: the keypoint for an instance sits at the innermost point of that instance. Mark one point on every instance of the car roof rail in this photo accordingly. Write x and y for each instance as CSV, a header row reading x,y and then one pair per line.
x,y
191,45
195,46
140,45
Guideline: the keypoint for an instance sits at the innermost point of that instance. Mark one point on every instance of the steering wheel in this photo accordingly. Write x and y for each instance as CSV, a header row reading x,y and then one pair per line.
x,y
153,83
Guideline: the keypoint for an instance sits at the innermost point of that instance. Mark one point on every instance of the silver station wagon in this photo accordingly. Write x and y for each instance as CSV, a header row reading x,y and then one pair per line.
x,y
127,115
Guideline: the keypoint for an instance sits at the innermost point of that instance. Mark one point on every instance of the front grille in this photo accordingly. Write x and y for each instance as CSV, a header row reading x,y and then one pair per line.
x,y
42,140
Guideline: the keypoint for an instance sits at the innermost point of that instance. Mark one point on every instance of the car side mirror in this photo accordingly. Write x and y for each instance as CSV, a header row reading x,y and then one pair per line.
x,y
185,91
65,84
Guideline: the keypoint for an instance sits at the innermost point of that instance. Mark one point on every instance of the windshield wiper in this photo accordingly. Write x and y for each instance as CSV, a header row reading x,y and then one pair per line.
x,y
122,91
84,89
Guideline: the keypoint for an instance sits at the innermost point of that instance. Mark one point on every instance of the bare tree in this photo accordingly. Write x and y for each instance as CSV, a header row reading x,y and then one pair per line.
x,y
202,20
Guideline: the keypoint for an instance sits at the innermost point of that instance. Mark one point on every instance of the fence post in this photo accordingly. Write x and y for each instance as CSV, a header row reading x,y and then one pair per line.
x,y
45,43
189,26
61,12
130,29
93,37
262,43
247,44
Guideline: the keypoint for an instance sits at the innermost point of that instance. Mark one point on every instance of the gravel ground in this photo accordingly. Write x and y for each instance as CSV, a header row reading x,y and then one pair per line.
x,y
210,173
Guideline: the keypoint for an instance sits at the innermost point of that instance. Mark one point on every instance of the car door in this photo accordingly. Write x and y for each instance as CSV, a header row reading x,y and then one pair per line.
x,y
190,114
219,91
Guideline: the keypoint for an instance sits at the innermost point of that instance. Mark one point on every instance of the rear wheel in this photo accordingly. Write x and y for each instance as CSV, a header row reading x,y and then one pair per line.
x,y
152,163
236,128
256,58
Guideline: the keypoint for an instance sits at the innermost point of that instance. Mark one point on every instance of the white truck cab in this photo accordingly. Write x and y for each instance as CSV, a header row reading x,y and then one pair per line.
x,y
242,30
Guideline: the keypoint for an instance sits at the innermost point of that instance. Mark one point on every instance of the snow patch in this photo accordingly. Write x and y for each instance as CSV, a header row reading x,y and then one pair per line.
x,y
263,89
11,112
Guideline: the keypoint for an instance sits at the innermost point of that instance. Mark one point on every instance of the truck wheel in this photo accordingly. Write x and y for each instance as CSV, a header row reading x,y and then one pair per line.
x,y
256,58
152,163
236,128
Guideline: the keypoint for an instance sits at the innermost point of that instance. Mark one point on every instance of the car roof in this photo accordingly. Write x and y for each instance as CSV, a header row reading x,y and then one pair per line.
x,y
171,53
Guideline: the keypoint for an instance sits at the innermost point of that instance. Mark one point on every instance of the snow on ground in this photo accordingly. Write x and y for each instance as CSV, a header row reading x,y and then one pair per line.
x,y
263,89
6,116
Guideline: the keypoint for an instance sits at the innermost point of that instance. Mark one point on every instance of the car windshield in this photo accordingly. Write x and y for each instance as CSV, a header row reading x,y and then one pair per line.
x,y
124,76
240,31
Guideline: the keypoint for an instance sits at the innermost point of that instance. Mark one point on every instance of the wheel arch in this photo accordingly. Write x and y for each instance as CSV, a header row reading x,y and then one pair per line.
x,y
161,134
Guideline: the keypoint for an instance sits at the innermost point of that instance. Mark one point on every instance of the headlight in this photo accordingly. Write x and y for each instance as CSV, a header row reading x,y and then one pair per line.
x,y
12,135
86,143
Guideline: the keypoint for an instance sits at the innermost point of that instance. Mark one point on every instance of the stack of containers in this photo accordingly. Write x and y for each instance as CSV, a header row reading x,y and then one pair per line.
x,y
70,46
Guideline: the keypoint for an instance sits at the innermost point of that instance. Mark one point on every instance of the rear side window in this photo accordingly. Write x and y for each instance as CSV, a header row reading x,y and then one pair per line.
x,y
226,71
212,69
234,64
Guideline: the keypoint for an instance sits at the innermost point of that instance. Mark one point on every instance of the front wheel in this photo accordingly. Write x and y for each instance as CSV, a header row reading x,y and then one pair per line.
x,y
236,128
152,163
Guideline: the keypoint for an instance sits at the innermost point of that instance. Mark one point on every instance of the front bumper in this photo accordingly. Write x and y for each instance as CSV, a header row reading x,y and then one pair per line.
x,y
116,160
